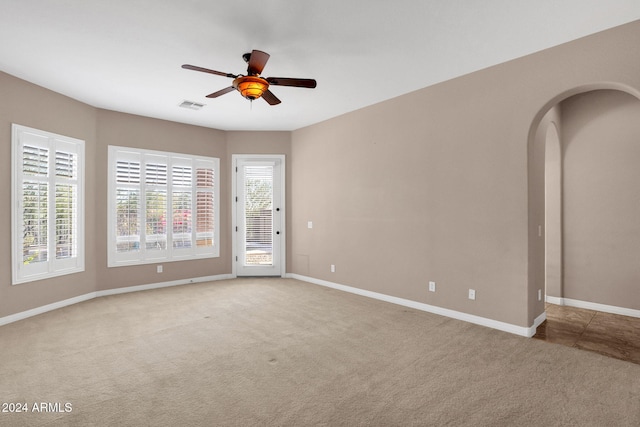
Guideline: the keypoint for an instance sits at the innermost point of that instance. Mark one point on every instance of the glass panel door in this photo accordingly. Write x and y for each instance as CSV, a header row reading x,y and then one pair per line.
x,y
258,217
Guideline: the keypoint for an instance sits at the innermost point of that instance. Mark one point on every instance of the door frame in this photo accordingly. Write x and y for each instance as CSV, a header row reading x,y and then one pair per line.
x,y
234,210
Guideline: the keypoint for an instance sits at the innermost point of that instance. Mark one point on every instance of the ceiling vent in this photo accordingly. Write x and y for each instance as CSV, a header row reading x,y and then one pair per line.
x,y
191,105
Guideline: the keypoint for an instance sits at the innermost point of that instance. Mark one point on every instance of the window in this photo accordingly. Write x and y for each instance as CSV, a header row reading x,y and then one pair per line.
x,y
47,218
162,206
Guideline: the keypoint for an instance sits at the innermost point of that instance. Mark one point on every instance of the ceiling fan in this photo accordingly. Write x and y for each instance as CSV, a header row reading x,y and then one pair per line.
x,y
253,86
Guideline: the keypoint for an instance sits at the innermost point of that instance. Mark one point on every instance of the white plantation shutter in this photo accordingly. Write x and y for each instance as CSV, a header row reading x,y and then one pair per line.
x,y
176,218
66,204
127,231
128,171
156,181
35,160
35,202
205,204
156,220
181,208
66,212
155,172
66,165
182,175
182,204
127,225
48,209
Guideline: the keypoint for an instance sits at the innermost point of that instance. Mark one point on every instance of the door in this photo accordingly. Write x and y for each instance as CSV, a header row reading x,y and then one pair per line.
x,y
258,198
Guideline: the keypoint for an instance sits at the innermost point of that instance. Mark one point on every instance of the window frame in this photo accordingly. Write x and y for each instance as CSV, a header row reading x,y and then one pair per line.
x,y
53,266
169,253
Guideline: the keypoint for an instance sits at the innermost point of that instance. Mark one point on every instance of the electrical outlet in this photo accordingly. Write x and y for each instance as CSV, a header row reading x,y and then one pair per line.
x,y
309,224
432,286
333,268
472,294
159,269
539,294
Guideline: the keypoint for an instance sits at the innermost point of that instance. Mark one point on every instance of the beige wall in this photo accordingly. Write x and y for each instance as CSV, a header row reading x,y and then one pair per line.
x,y
34,106
553,201
601,198
141,132
428,186
30,105
267,142
441,184
446,183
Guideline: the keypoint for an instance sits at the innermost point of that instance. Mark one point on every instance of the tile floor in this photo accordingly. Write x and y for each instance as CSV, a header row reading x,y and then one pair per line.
x,y
609,334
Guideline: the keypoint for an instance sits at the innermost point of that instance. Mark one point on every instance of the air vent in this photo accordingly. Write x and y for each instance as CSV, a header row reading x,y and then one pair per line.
x,y
191,105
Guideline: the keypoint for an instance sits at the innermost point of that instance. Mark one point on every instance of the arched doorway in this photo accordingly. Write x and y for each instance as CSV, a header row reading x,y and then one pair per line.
x,y
584,200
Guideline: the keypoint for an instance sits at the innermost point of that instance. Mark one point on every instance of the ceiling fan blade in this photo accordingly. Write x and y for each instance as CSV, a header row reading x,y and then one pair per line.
x,y
257,60
221,92
287,81
206,70
270,97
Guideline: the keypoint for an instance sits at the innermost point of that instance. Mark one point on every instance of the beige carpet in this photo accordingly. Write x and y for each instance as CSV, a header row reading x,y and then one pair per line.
x,y
274,352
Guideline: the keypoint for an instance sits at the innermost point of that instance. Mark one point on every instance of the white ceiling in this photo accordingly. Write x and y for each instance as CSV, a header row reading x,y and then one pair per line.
x,y
125,55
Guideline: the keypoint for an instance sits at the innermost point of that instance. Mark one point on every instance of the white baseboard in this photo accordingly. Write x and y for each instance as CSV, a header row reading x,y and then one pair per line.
x,y
554,300
482,321
75,300
43,309
538,321
163,285
593,306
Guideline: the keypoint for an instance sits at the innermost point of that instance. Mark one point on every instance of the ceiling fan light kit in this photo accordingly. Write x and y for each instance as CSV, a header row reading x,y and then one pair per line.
x,y
252,86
